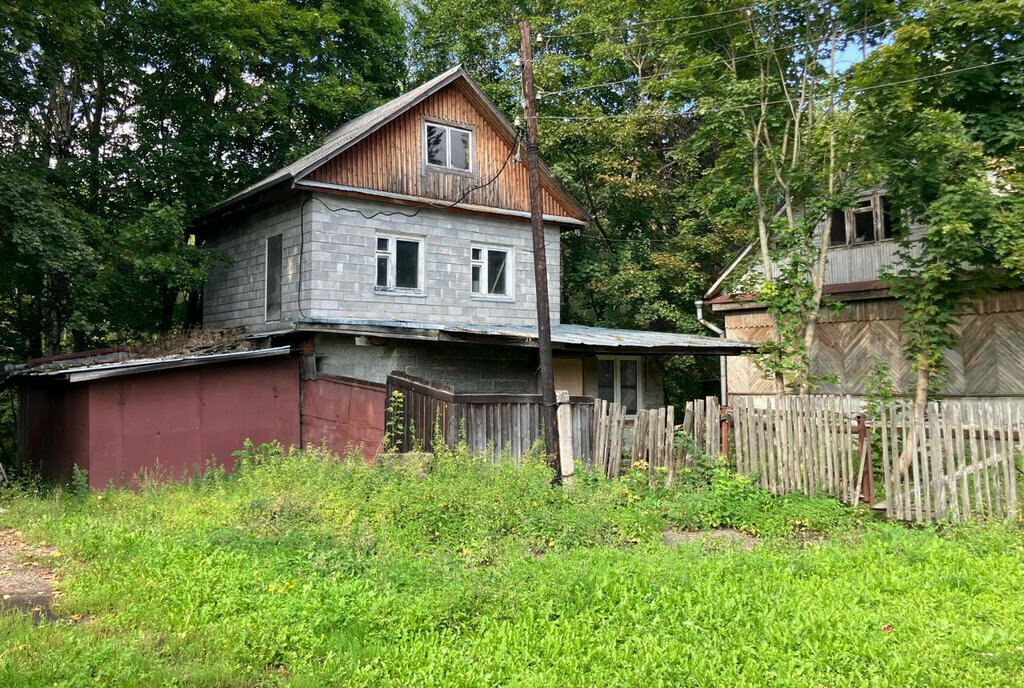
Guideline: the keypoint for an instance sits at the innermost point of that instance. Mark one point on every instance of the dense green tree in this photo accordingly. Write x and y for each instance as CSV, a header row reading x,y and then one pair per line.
x,y
943,126
120,120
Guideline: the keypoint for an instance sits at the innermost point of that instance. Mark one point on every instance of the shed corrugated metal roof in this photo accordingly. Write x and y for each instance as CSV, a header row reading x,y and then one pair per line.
x,y
105,368
565,336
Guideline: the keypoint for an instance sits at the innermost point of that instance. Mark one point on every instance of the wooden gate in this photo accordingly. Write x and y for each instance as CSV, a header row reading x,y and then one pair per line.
x,y
419,412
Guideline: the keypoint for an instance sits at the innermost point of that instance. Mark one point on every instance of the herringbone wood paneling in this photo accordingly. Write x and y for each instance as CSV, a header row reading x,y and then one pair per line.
x,y
988,361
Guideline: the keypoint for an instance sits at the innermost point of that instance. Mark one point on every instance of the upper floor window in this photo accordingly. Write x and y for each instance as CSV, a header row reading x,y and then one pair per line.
x,y
490,271
866,222
273,279
618,381
398,263
448,147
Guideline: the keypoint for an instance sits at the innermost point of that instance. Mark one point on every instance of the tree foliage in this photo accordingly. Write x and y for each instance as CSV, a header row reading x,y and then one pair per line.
x,y
120,120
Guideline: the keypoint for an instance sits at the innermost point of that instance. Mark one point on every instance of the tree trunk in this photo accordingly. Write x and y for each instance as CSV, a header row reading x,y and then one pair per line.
x,y
924,370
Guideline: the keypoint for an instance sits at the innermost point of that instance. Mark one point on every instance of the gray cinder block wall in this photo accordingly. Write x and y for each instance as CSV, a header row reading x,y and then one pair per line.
x,y
339,265
466,367
234,294
344,264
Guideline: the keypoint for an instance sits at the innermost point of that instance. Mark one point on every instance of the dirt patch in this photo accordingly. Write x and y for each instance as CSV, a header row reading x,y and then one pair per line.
x,y
809,538
26,583
713,539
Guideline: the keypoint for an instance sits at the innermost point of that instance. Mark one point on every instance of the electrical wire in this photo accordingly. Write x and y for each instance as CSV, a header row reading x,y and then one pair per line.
x,y
647,23
687,69
860,89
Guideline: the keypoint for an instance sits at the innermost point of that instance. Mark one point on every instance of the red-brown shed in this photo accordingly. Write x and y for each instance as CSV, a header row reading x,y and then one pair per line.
x,y
173,414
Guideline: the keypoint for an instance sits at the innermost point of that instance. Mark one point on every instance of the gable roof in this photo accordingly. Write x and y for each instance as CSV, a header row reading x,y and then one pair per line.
x,y
358,129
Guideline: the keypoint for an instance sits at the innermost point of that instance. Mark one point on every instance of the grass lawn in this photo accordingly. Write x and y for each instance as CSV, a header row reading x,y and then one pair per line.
x,y
304,571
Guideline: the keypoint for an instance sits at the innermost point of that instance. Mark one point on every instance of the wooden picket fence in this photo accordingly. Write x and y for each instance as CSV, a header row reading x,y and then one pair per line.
x,y
424,412
651,438
609,427
808,444
952,459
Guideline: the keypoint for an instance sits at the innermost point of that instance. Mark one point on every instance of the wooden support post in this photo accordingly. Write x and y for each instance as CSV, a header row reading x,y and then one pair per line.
x,y
565,433
867,477
724,412
540,263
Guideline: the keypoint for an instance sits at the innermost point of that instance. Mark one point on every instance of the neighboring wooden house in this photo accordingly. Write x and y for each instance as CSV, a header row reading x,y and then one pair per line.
x,y
989,361
403,243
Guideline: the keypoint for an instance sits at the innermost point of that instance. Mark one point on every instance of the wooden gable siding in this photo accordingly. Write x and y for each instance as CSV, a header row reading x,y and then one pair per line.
x,y
392,160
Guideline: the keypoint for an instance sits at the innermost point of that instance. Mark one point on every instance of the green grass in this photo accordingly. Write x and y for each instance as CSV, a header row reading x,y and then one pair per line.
x,y
304,571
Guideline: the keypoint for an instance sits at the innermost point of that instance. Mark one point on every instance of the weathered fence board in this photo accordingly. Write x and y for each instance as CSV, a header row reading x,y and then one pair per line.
x,y
952,459
427,411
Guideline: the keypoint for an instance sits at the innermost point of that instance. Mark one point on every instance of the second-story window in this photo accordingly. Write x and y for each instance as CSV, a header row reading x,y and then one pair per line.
x,y
398,263
865,223
448,147
490,271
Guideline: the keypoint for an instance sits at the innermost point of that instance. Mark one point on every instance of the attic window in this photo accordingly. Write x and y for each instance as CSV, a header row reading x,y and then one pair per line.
x,y
867,222
448,147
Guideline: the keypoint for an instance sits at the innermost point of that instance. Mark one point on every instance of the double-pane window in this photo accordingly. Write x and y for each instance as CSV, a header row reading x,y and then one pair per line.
x,y
618,381
490,271
448,147
398,263
869,221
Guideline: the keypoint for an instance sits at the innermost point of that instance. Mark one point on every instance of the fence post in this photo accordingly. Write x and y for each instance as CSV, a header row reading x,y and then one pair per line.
x,y
867,477
724,414
564,433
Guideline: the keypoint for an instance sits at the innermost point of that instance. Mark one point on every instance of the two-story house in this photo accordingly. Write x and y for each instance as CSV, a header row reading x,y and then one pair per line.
x,y
988,361
403,243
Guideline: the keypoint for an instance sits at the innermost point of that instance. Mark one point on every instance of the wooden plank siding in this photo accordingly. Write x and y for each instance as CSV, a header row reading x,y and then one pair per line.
x,y
989,360
392,160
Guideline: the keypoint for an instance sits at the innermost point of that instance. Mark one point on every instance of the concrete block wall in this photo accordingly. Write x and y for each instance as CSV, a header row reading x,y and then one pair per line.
x,y
235,289
466,367
343,258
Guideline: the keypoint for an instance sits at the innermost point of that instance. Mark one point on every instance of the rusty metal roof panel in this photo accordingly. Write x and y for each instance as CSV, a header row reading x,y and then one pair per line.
x,y
565,335
95,370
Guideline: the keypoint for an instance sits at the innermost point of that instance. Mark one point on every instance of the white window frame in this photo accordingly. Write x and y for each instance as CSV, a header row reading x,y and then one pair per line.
x,y
485,277
618,380
392,239
447,167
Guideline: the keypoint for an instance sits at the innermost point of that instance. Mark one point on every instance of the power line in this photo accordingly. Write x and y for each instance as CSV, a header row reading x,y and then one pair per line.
x,y
648,22
860,89
689,68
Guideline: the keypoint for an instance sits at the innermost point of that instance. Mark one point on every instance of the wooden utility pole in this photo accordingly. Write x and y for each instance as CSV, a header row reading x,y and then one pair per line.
x,y
540,261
